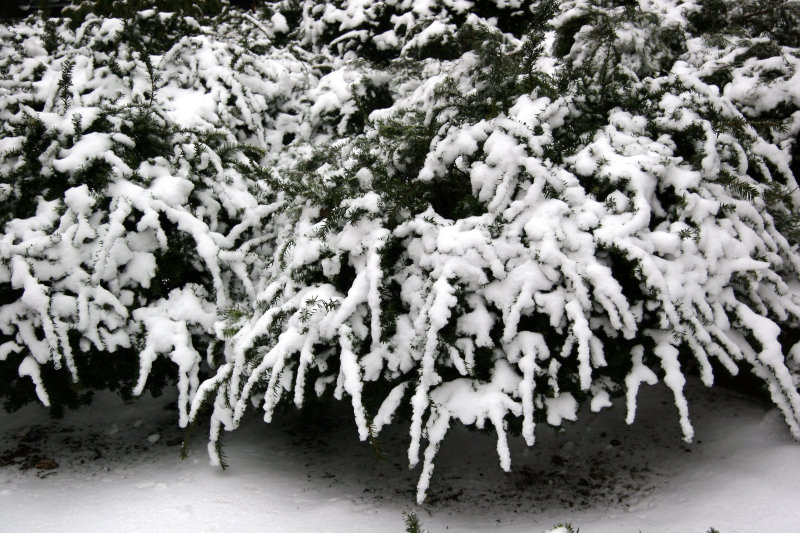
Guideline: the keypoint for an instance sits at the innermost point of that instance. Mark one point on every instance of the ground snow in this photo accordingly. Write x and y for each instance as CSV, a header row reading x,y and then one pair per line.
x,y
119,471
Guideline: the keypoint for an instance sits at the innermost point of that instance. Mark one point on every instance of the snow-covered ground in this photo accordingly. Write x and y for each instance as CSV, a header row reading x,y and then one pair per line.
x,y
119,470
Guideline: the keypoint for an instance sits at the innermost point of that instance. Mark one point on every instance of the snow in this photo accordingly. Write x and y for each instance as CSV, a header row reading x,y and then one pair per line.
x,y
118,469
89,147
171,189
279,23
30,368
560,408
646,233
189,108
79,200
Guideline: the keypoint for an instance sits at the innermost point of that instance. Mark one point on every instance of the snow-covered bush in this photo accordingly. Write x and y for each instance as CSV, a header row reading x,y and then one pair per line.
x,y
443,211
128,194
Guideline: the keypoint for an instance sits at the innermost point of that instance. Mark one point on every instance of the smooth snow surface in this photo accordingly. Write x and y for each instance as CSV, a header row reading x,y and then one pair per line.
x,y
119,471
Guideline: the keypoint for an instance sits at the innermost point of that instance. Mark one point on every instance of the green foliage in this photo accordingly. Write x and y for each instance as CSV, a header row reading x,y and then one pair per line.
x,y
781,206
779,19
27,175
150,32
141,136
368,96
710,17
96,370
127,9
413,524
502,75
50,38
65,83
567,526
